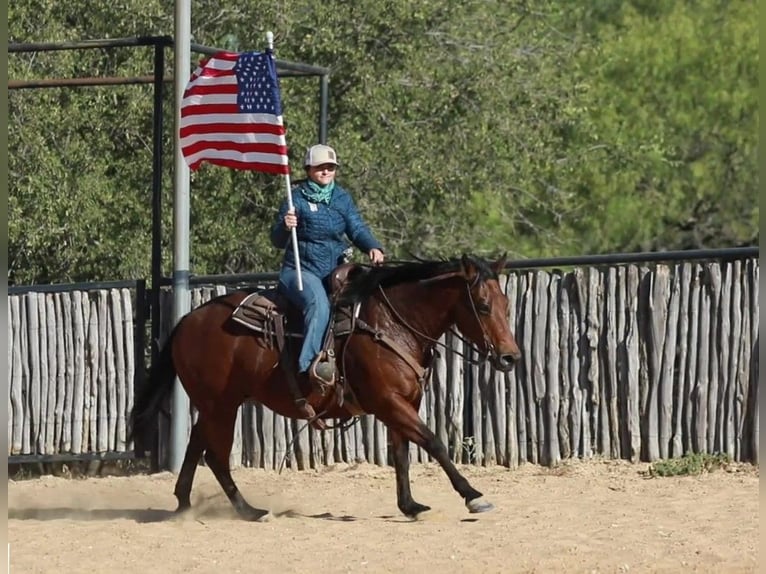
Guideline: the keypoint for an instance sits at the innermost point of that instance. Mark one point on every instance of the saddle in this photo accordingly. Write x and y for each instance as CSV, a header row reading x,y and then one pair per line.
x,y
271,314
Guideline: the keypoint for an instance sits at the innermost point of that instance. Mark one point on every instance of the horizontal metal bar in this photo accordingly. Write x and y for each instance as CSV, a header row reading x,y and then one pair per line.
x,y
295,67
242,278
614,258
272,276
207,50
100,81
73,82
287,68
644,257
226,279
284,67
85,44
62,287
67,457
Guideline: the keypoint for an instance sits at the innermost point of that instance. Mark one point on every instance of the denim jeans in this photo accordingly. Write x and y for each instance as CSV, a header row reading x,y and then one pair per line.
x,y
315,306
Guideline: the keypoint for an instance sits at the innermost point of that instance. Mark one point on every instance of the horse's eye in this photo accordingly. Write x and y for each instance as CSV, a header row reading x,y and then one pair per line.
x,y
483,308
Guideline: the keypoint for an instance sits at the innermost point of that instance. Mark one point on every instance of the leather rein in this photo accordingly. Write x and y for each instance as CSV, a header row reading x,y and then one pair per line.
x,y
423,373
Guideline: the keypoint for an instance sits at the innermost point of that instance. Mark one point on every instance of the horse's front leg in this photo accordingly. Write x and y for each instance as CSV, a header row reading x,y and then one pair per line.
x,y
404,498
402,418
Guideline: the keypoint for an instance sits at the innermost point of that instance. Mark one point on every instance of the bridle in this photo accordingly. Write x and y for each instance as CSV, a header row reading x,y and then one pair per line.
x,y
435,342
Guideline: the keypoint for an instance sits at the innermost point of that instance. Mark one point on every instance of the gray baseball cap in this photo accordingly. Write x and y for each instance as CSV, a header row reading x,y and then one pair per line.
x,y
320,154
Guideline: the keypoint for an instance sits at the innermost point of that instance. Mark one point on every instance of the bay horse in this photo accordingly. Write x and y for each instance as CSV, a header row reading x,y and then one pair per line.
x,y
406,308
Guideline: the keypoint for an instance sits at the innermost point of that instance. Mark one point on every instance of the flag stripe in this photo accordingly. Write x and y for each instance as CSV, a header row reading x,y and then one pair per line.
x,y
231,114
223,110
244,165
200,109
247,137
243,147
211,90
232,154
228,79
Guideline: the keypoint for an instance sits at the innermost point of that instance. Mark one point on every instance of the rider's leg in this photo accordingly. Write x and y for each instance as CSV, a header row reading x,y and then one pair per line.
x,y
315,306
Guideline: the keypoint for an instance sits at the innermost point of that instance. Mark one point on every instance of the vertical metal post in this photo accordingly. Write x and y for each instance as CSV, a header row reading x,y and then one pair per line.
x,y
159,72
179,431
324,91
155,313
139,343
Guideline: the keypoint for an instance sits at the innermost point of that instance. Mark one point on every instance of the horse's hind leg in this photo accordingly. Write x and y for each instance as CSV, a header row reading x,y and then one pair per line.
x,y
188,468
404,499
404,419
219,432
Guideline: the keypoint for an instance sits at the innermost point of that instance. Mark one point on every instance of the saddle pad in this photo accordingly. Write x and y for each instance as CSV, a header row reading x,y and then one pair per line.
x,y
259,311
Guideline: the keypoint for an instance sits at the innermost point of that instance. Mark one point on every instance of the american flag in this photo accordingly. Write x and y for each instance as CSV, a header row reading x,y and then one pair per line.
x,y
231,114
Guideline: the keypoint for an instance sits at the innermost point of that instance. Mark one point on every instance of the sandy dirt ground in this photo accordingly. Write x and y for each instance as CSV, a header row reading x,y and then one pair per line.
x,y
595,516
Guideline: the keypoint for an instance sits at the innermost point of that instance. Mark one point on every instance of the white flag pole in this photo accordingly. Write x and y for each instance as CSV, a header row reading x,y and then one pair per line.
x,y
294,233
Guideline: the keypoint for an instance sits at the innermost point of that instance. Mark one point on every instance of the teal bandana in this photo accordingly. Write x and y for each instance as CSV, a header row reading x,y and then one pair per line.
x,y
316,193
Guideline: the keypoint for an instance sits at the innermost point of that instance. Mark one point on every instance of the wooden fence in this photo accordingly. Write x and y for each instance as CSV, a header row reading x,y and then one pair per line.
x,y
633,362
71,367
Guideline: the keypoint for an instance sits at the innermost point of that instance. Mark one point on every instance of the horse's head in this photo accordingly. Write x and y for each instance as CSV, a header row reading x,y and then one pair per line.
x,y
479,309
482,313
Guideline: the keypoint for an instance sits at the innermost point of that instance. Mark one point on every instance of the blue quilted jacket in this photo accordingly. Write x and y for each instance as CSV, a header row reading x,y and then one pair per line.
x,y
321,231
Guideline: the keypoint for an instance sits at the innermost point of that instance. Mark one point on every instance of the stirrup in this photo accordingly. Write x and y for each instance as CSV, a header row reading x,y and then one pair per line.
x,y
322,371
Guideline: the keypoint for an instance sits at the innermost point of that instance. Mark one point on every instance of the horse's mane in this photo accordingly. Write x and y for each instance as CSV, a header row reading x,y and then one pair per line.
x,y
364,280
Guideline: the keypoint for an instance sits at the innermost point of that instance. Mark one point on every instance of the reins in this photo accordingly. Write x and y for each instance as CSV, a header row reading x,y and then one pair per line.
x,y
343,426
436,342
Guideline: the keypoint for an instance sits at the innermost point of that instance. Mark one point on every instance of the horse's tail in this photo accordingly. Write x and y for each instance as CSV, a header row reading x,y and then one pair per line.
x,y
156,389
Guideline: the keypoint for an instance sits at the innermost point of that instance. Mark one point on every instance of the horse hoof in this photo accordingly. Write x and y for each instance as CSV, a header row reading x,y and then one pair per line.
x,y
416,511
479,505
251,514
254,515
183,508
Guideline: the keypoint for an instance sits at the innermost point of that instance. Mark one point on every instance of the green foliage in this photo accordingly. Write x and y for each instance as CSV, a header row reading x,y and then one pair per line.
x,y
538,129
673,147
689,465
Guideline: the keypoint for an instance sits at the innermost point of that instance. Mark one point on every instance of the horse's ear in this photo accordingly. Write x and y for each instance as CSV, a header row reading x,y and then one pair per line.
x,y
465,263
499,266
469,268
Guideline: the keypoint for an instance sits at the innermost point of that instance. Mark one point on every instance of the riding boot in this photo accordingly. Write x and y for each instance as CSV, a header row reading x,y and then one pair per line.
x,y
301,402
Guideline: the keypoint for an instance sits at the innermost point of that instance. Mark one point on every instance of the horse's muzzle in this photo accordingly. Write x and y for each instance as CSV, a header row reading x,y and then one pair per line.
x,y
505,361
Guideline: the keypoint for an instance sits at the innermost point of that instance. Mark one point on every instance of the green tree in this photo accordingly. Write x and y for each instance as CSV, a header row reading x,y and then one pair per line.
x,y
541,128
668,156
